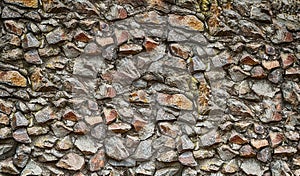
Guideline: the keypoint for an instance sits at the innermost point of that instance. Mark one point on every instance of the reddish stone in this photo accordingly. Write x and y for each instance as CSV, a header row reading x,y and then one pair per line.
x,y
139,96
180,51
97,162
287,59
293,71
238,139
276,139
178,101
128,49
6,107
121,36
104,41
258,72
70,115
189,22
150,44
13,78
249,60
14,27
119,127
82,37
138,124
110,115
285,150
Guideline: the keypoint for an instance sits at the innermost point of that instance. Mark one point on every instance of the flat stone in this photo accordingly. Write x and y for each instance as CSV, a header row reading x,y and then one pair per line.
x,y
13,78
150,44
71,115
104,41
237,107
151,17
119,127
276,76
285,150
99,131
92,120
238,139
21,135
116,12
292,135
56,36
139,96
169,129
143,151
187,159
293,71
86,145
130,49
265,155
147,168
269,65
184,143
203,153
166,171
45,141
210,165
24,3
167,156
37,130
178,101
33,57
81,128
21,156
264,88
71,161
258,72
64,143
19,120
8,13
230,167
40,82
115,148
14,27
30,41
82,36
121,36
97,161
110,115
259,143
45,115
188,22
252,167
49,51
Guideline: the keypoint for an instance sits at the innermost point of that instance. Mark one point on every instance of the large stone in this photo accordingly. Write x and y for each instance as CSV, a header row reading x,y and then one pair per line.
x,y
115,148
97,161
32,168
56,36
71,161
252,167
178,101
211,138
13,78
187,159
19,120
86,145
45,115
7,167
24,3
189,22
33,57
14,27
21,135
30,41
144,151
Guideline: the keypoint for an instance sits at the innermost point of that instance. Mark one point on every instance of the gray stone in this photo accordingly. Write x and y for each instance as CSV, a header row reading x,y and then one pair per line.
x,y
19,120
86,145
115,148
252,167
7,167
30,41
32,168
144,151
71,161
21,135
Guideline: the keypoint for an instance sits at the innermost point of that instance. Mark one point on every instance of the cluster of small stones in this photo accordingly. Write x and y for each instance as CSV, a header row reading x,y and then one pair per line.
x,y
149,87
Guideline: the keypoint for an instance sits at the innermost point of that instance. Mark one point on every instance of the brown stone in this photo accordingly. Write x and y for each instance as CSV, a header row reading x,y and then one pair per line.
x,y
14,27
92,120
82,37
270,64
178,101
293,71
24,3
247,151
180,51
128,49
110,115
6,107
71,115
276,138
150,44
139,96
238,139
97,162
13,78
259,143
249,60
168,129
4,120
287,59
104,41
189,22
121,36
138,124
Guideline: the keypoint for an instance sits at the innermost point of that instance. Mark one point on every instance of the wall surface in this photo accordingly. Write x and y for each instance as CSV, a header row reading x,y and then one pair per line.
x,y
149,87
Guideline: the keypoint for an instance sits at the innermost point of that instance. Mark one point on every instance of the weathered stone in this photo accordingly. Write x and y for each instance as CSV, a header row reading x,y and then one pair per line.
x,y
167,156
238,139
37,130
150,44
230,167
258,72
45,115
188,22
19,120
13,78
247,151
56,36
211,138
104,41
40,82
86,145
24,3
99,131
130,49
121,36
222,59
115,148
14,27
276,76
116,12
239,108
293,71
203,154
21,135
97,162
292,135
71,115
30,41
279,167
71,161
187,159
259,143
147,168
252,167
258,13
169,129
287,59
210,165
81,128
143,151
264,88
92,49
33,57
180,50
119,127
264,155
64,143
21,156
166,171
285,150
178,101
49,51
8,13
82,36
32,168
47,141
7,166
184,143
110,115
189,172
269,65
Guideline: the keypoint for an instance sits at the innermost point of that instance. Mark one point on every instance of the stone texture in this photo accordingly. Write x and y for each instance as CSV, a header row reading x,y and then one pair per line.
x,y
13,78
115,148
24,3
71,161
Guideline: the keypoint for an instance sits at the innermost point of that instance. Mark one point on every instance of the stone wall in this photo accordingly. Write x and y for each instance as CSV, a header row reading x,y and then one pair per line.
x,y
149,87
